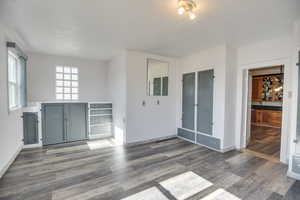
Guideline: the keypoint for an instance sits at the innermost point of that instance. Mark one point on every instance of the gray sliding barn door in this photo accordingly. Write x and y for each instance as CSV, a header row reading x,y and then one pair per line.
x,y
205,92
188,101
30,128
76,121
53,124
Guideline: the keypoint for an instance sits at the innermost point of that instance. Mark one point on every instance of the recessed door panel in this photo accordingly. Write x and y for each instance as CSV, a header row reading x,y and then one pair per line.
x,y
188,101
205,101
30,126
53,124
76,121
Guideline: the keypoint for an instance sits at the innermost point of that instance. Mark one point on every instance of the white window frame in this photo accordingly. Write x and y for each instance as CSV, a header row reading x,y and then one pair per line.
x,y
67,86
15,83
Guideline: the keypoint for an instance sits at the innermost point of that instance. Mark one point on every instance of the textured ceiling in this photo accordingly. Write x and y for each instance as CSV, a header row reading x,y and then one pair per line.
x,y
100,29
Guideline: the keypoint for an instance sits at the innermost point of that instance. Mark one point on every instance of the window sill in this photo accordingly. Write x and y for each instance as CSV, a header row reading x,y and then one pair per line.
x,y
14,109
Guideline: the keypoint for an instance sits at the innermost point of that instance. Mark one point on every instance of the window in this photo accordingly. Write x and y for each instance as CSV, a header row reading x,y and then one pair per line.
x,y
14,86
67,83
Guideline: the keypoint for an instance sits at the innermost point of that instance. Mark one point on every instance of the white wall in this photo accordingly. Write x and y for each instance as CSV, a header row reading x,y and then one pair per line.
x,y
11,127
117,74
151,121
272,52
213,58
41,77
230,98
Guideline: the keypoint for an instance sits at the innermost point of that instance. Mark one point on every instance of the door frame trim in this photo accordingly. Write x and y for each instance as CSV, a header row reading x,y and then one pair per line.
x,y
294,112
242,103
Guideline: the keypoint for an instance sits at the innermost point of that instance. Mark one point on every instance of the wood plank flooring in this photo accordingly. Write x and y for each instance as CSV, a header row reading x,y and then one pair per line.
x,y
265,140
75,171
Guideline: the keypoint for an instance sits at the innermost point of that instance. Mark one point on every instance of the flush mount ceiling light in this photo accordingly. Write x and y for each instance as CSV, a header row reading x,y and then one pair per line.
x,y
188,7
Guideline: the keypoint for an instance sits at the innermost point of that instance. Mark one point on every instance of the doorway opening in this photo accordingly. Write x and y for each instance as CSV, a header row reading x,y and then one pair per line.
x,y
264,115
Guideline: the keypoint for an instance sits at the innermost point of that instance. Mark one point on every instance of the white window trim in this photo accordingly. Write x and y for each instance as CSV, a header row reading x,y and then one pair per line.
x,y
17,84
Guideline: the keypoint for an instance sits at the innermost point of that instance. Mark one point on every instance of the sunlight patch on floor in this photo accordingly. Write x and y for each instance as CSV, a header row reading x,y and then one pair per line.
x,y
100,144
185,185
220,194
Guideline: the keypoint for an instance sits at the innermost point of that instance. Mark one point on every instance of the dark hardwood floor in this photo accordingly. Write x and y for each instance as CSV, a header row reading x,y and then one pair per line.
x,y
265,140
171,169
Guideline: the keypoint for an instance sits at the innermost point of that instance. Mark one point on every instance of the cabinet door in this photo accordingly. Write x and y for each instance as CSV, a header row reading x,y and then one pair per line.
x,y
205,101
30,126
76,121
53,124
257,88
253,116
188,101
272,118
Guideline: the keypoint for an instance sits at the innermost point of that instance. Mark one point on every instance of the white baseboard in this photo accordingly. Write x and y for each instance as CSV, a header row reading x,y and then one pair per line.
x,y
202,145
100,136
30,146
2,171
228,149
151,140
293,175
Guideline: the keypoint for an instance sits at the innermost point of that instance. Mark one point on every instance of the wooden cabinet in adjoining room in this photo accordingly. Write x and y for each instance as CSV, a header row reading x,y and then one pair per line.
x,y
270,118
257,88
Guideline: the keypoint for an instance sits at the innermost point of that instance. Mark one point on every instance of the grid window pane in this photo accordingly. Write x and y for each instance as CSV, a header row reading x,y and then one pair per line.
x,y
59,76
67,90
60,83
74,83
67,76
59,69
59,89
74,96
74,70
74,77
74,90
12,95
67,96
67,70
67,83
59,96
14,81
12,69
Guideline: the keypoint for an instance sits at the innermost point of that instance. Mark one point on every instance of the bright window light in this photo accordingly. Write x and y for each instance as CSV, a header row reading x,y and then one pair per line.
x,y
67,83
14,85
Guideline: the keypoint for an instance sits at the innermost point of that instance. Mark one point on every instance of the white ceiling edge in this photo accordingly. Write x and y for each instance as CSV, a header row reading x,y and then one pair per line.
x,y
197,50
35,53
49,28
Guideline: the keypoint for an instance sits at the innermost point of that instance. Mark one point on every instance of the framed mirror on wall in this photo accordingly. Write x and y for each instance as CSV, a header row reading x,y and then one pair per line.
x,y
157,77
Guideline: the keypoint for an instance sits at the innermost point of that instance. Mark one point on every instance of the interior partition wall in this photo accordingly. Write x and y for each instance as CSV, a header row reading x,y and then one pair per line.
x,y
197,109
295,163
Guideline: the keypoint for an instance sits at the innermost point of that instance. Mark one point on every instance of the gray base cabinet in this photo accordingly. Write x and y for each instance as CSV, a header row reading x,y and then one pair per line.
x,y
65,122
76,122
30,126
